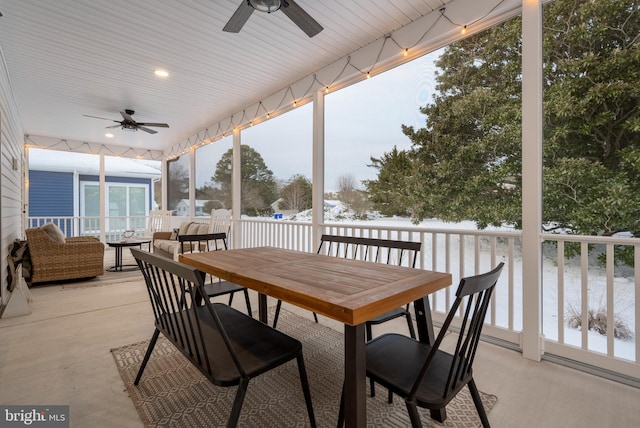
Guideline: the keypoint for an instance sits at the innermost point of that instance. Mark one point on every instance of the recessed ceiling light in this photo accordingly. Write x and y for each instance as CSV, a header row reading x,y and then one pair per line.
x,y
108,135
161,73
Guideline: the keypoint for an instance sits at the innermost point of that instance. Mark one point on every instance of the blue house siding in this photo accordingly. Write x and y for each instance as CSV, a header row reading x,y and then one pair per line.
x,y
50,194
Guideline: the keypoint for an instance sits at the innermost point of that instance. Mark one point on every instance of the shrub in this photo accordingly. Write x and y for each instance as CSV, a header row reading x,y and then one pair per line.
x,y
597,321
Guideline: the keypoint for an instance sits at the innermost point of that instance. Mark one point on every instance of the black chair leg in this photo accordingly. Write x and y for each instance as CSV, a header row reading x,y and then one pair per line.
x,y
412,331
246,300
237,403
152,343
478,402
275,317
231,298
315,317
372,385
305,389
414,416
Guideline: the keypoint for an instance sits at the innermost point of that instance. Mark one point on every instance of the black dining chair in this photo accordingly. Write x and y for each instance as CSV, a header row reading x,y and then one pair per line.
x,y
227,346
424,375
214,242
375,250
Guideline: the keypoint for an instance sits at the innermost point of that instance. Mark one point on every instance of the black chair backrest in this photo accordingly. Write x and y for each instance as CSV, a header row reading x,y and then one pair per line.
x,y
477,291
371,249
189,321
202,242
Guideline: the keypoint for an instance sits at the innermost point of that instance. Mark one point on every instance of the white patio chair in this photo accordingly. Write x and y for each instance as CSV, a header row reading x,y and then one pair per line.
x,y
159,221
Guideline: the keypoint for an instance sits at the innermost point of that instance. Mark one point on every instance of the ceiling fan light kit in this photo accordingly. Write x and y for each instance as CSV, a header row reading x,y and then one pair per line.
x,y
265,5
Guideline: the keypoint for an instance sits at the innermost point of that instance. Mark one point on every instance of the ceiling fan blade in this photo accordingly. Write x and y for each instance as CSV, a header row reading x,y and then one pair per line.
x,y
301,18
150,131
160,125
114,126
127,116
239,18
96,117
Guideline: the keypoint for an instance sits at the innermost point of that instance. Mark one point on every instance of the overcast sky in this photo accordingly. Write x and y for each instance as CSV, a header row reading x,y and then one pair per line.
x,y
361,121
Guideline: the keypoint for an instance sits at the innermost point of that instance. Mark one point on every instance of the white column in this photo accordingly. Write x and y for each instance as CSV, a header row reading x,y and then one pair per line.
x,y
531,177
236,185
317,198
103,200
164,201
192,182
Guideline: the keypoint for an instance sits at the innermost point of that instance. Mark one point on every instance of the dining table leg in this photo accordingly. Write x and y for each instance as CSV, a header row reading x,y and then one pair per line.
x,y
427,335
262,308
355,373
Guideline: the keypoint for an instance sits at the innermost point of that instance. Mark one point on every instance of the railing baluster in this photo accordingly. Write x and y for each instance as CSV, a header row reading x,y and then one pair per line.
x,y
610,310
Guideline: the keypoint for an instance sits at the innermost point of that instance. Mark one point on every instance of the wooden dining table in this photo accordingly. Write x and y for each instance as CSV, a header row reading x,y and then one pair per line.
x,y
346,290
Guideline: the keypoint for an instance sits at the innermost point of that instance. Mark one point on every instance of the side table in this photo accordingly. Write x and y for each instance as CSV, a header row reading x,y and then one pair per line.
x,y
119,245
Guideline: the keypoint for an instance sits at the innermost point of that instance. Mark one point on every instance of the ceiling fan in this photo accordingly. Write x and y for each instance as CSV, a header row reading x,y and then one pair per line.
x,y
128,124
289,7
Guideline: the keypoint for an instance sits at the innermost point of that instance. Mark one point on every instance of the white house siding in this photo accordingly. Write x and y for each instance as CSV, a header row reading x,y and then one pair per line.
x,y
12,168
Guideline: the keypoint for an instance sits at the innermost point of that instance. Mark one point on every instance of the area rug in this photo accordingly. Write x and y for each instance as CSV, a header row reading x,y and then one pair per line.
x,y
172,393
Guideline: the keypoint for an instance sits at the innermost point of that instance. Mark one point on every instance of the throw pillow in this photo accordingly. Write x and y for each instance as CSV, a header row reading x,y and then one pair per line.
x,y
184,227
174,235
54,232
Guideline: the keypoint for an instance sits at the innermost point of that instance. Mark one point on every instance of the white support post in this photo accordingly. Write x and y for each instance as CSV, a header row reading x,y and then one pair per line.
x,y
317,198
192,182
103,201
236,185
532,118
164,186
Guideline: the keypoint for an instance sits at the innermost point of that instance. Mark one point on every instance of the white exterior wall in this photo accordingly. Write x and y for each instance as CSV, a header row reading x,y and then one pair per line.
x,y
12,174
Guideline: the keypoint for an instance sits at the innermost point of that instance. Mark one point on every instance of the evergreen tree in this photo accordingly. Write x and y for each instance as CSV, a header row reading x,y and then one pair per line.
x,y
467,158
258,185
389,192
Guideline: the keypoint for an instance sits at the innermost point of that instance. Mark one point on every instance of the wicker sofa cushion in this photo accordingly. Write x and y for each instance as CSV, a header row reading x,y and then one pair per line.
x,y
54,232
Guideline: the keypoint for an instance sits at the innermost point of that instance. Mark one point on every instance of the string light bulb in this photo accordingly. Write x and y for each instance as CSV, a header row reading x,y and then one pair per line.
x,y
406,51
464,30
326,90
368,75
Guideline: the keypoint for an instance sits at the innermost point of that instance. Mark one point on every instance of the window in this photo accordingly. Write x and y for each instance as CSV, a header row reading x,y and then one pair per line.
x,y
126,206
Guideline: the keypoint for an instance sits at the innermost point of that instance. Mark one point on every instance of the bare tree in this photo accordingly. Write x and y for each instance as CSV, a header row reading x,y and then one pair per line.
x,y
350,194
296,194
346,183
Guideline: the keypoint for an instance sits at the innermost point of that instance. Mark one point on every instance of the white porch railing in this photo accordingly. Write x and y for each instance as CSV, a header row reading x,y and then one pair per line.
x,y
576,291
572,288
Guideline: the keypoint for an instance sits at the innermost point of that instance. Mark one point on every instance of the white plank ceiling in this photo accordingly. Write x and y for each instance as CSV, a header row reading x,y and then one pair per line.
x,y
69,58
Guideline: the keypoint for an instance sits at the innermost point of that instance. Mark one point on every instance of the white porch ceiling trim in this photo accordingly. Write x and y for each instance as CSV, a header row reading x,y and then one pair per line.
x,y
420,37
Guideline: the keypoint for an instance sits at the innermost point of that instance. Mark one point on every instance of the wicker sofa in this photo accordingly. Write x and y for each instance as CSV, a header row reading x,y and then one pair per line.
x,y
55,258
